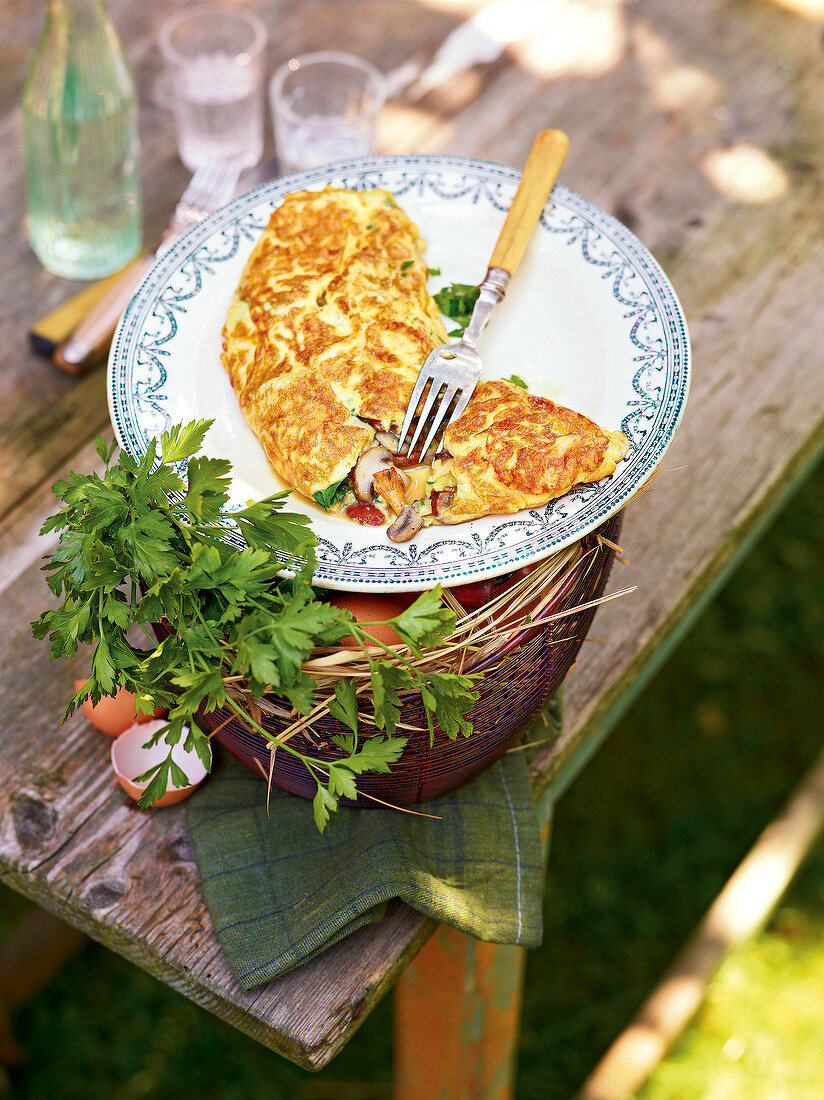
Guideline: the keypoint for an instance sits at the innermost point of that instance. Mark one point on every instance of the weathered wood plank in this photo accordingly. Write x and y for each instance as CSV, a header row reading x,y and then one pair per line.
x,y
647,96
757,394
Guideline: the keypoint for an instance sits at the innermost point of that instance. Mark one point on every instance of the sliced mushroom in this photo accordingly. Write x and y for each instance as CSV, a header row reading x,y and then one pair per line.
x,y
388,440
441,500
407,525
376,458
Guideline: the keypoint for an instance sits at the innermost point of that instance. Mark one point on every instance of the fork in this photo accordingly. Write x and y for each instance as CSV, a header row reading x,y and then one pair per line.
x,y
452,370
210,187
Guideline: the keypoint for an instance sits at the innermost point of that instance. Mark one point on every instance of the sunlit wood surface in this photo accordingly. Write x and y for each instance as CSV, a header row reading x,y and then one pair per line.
x,y
700,126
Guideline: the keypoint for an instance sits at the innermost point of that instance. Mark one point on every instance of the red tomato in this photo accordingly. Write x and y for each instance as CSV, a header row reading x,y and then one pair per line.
x,y
472,596
115,713
366,514
512,578
369,608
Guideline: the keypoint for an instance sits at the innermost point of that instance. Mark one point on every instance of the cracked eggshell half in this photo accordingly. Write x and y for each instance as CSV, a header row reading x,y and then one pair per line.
x,y
115,713
130,758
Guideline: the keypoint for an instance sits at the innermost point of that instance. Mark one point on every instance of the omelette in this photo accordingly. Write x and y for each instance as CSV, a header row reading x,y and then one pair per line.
x,y
326,333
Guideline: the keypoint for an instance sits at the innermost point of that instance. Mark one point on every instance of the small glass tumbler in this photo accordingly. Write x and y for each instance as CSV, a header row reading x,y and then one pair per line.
x,y
324,107
214,58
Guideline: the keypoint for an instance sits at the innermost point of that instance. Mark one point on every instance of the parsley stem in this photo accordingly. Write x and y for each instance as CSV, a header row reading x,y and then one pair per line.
x,y
387,649
416,675
244,716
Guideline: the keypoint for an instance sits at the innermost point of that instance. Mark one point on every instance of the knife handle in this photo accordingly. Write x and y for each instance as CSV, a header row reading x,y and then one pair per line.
x,y
537,180
92,337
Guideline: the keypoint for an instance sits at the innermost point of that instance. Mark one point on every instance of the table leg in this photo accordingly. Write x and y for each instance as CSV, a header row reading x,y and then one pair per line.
x,y
457,1014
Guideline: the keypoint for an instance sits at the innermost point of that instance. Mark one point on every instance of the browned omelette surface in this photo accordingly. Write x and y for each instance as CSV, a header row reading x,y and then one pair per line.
x,y
512,450
328,328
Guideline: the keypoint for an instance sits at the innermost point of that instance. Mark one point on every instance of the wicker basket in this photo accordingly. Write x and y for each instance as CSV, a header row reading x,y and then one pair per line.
x,y
518,680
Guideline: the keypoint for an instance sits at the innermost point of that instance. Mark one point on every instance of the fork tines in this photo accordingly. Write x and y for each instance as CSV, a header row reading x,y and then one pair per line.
x,y
210,187
452,399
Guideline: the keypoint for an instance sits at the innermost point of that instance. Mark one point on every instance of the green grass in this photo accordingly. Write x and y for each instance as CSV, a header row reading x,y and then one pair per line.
x,y
643,841
759,1033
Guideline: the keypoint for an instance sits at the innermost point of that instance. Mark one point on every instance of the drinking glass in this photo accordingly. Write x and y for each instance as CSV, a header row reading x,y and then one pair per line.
x,y
324,107
213,55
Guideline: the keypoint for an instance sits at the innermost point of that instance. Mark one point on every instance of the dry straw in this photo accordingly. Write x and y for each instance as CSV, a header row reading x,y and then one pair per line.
x,y
480,640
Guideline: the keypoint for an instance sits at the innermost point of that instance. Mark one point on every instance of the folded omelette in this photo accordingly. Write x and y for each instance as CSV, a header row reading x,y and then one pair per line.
x,y
328,328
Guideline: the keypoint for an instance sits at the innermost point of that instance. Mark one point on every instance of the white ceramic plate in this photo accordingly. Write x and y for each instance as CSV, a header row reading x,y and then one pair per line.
x,y
590,321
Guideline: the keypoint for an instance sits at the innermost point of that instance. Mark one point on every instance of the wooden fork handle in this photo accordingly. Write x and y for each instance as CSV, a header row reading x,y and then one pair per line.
x,y
537,180
90,340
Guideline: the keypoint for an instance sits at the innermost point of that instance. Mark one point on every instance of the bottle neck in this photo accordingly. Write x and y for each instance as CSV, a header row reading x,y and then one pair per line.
x,y
78,15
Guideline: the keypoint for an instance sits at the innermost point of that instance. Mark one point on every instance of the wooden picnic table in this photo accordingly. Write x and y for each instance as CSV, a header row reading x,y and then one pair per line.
x,y
700,126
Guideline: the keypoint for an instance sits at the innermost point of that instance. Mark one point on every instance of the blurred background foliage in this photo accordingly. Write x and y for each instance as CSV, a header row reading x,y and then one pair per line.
x,y
643,841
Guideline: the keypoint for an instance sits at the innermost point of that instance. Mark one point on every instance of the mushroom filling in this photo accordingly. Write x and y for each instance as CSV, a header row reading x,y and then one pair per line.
x,y
407,525
401,490
374,460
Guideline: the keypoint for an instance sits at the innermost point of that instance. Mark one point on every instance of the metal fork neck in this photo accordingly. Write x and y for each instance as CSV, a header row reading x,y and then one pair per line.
x,y
491,290
498,280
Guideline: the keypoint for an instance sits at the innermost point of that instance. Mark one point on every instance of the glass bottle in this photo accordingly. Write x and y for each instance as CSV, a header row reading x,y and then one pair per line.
x,y
81,144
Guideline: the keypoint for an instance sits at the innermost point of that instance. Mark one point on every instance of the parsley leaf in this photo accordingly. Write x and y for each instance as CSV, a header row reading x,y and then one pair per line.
x,y
158,783
387,680
183,440
207,489
373,754
457,302
323,805
344,706
341,782
332,493
447,698
426,622
263,524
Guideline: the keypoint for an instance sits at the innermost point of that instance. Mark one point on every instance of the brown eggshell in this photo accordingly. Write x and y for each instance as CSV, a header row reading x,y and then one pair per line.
x,y
130,758
115,713
369,608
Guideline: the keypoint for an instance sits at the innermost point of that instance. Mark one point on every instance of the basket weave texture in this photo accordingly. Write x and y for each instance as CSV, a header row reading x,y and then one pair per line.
x,y
518,680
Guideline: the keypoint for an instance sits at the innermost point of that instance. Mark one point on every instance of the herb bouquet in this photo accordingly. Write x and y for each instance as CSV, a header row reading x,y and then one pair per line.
x,y
216,634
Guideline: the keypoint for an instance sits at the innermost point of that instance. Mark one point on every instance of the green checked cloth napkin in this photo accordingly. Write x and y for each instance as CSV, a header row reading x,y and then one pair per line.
x,y
279,892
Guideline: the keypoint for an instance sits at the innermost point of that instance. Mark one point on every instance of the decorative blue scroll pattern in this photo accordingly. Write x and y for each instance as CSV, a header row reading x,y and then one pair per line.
x,y
656,329
142,342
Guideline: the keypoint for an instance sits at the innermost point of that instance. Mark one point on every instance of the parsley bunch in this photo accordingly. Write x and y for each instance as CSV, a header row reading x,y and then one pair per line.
x,y
144,545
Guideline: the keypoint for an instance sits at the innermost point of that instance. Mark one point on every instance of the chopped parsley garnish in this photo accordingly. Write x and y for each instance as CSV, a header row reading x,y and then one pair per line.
x,y
516,380
457,302
332,493
434,270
